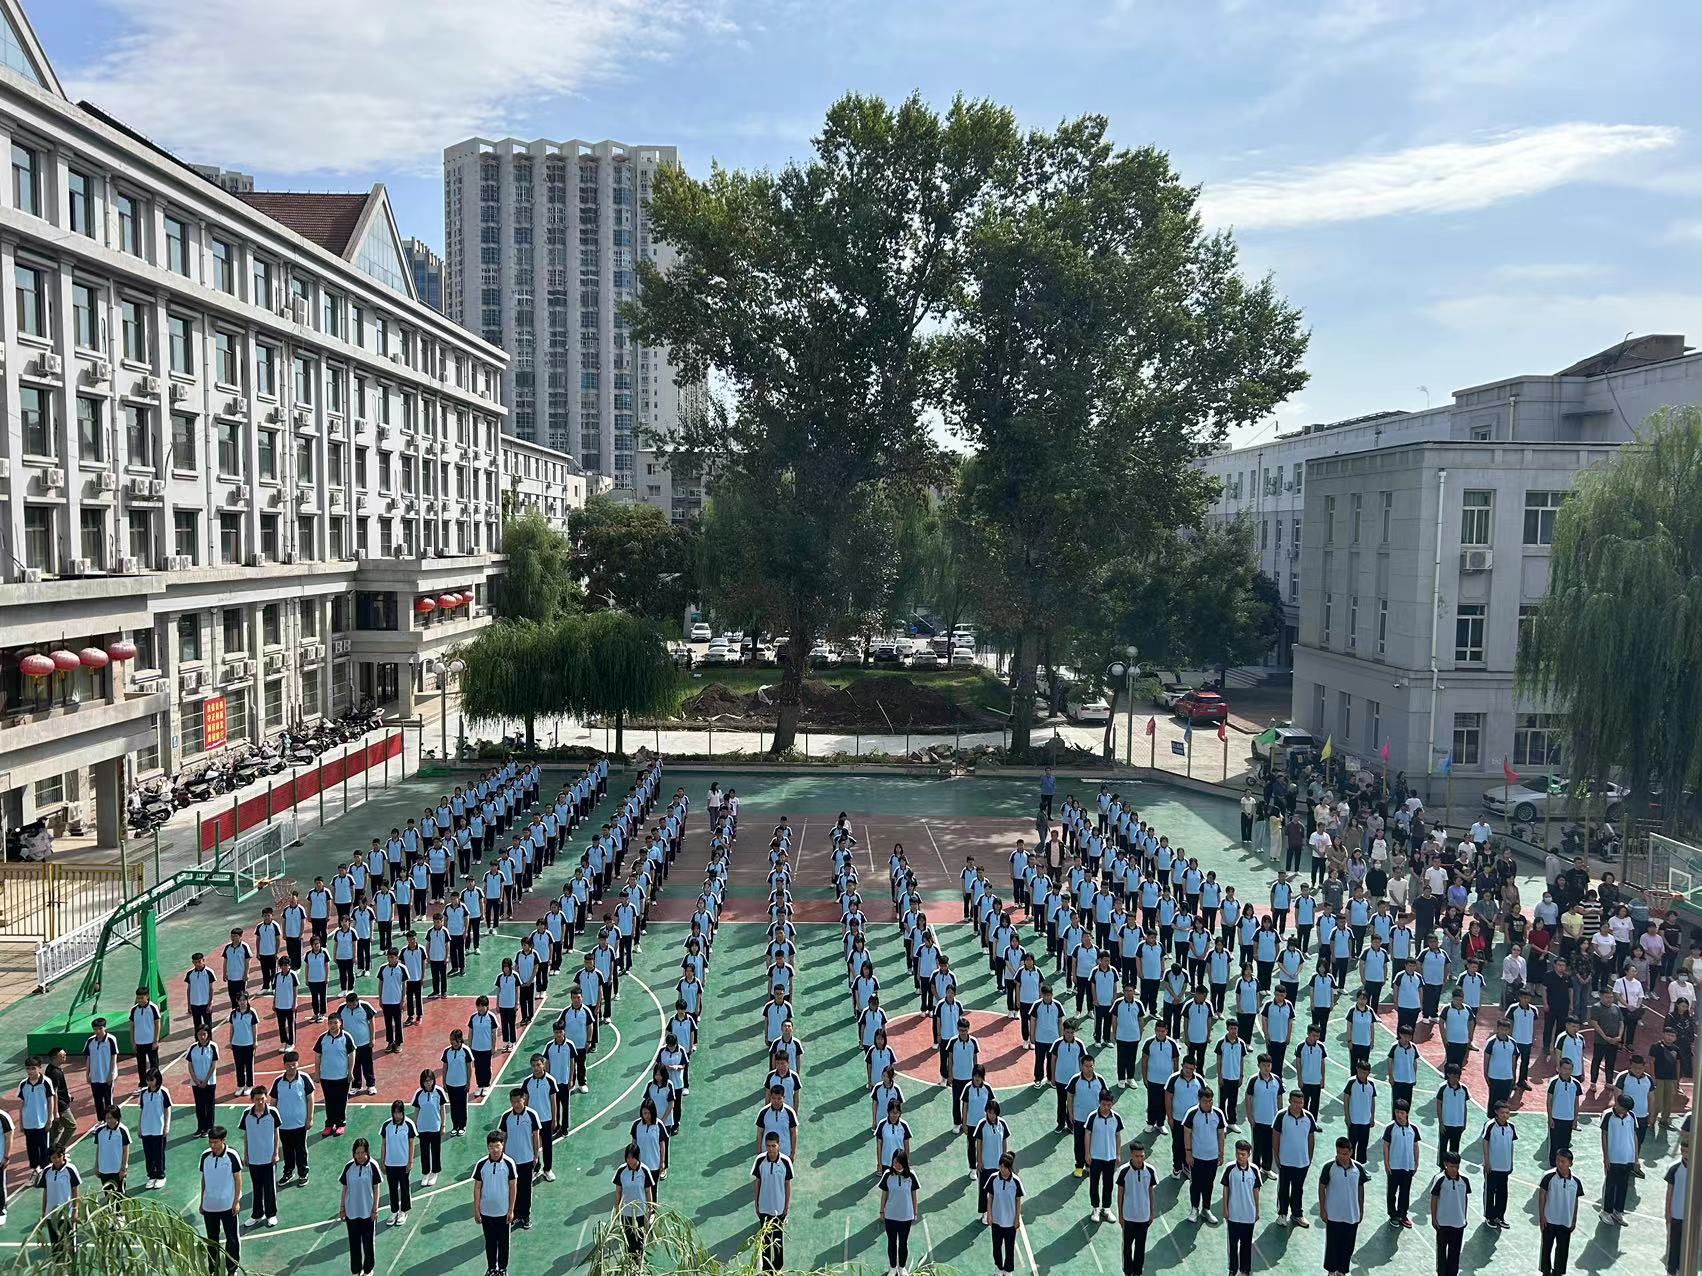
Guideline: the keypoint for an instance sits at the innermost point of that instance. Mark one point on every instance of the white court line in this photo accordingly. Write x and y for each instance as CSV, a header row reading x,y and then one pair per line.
x,y
1092,1250
1022,1231
408,1239
845,1249
869,849
927,1240
803,846
643,1077
929,830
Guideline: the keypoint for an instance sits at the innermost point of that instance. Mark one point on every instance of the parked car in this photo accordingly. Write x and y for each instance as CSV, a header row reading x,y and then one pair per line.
x,y
700,632
1203,706
1168,694
721,652
764,654
962,658
680,654
1552,797
963,636
823,656
1275,743
885,652
1095,709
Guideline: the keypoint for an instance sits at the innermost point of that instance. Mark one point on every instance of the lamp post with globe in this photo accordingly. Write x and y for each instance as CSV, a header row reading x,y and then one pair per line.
x,y
1126,670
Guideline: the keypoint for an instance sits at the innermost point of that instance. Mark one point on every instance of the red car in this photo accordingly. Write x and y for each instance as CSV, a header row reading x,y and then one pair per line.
x,y
1203,706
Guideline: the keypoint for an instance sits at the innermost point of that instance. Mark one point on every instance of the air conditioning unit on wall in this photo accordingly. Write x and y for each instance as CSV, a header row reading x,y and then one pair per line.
x,y
1476,560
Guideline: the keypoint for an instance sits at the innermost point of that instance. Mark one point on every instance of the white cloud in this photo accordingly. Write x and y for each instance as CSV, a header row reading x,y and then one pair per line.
x,y
1685,232
1447,177
1568,325
1550,272
330,86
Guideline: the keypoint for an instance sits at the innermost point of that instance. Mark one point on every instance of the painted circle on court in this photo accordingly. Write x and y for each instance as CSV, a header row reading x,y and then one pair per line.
x,y
1008,1065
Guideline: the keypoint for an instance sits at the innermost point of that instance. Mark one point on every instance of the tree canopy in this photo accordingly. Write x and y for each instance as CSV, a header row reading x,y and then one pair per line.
x,y
1103,343
1617,643
631,557
537,584
814,293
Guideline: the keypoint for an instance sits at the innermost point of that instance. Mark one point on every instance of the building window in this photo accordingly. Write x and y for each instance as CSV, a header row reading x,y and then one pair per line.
x,y
332,315
1355,504
147,654
1469,620
1537,739
230,448
138,435
224,266
181,334
183,448
186,534
1329,607
35,412
230,620
191,727
92,538
227,369
50,791
304,378
1527,626
129,224
1329,520
1374,720
1344,711
274,702
265,370
1388,499
134,316
38,537
269,455
85,316
307,618
230,539
1468,739
1353,622
148,756
82,206
26,180
270,543
1476,510
142,536
30,289
1294,587
91,435
1382,627
1540,509
189,638
272,624
1318,695
176,246
262,283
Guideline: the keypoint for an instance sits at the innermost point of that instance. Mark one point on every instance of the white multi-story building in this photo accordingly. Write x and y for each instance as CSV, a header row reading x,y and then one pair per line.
x,y
535,477
542,242
1422,563
233,439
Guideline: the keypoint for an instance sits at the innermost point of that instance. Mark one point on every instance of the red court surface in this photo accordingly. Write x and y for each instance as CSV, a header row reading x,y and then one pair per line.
x,y
1009,1066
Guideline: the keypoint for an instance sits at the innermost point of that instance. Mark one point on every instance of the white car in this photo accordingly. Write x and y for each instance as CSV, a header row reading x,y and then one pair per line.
x,y
1094,710
1550,796
700,632
823,655
721,653
963,657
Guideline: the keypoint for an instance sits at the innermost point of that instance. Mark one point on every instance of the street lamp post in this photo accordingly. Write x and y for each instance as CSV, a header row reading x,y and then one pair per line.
x,y
444,670
1125,669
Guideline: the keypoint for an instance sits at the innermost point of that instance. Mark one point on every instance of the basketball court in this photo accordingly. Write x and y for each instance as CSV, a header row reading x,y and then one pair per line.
x,y
834,1214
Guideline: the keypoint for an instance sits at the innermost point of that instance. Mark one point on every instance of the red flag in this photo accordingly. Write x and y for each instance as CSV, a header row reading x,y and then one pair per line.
x,y
1507,772
1384,751
1221,733
1152,726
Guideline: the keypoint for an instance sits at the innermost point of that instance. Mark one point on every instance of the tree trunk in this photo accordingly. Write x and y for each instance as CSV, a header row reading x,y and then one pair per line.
x,y
620,728
531,730
1022,703
789,705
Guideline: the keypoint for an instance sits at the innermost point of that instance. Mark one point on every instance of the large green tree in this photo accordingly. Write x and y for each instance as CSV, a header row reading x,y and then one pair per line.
x,y
1617,643
1104,343
537,584
630,556
808,301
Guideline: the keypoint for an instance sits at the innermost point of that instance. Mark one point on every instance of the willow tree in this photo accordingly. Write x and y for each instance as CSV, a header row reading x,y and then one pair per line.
x,y
537,582
1616,645
1103,343
512,673
115,1233
624,668
809,300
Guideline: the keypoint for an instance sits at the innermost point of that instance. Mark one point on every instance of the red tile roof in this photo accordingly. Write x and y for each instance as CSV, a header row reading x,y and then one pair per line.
x,y
327,220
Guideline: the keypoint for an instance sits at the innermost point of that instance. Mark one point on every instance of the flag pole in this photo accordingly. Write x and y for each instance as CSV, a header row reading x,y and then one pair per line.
x,y
1152,746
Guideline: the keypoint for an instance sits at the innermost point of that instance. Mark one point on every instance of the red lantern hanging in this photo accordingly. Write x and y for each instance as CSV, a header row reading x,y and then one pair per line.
x,y
447,601
93,658
65,661
37,665
122,650
466,597
425,606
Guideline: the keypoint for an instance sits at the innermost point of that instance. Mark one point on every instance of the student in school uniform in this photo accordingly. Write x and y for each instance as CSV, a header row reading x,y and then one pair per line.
x,y
494,1179
101,1050
112,1151
1400,1163
244,1026
522,1136
1341,1204
61,1198
772,1189
901,1209
1499,1136
221,1197
635,1200
1003,1213
1558,1196
202,1060
1241,1183
1137,1187
145,1027
430,1104
458,1066
260,1145
397,1140
1205,1137
1296,1135
1450,1199
336,1051
286,988
357,1206
198,991
1678,1188
293,1096
39,1108
1102,1135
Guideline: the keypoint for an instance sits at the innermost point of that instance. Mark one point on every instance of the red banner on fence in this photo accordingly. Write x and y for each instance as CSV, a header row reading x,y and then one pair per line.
x,y
291,791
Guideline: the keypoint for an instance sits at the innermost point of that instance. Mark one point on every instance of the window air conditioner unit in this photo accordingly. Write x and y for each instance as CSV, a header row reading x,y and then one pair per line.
x,y
5,468
190,680
49,364
32,575
1476,560
149,385
156,487
287,558
275,413
298,309
179,562
239,494
303,418
396,357
106,481
98,371
139,487
180,391
384,434
336,499
53,476
77,567
1288,486
237,407
128,566
360,555
336,429
304,496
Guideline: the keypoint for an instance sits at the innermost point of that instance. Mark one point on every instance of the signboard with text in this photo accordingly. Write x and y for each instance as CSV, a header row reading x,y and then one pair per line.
x,y
213,724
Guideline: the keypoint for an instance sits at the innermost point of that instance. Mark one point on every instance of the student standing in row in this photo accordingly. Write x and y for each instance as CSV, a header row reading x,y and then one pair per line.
x,y
357,1206
772,1189
901,1207
259,1126
221,1197
494,1180
1137,1189
1558,1197
1241,1183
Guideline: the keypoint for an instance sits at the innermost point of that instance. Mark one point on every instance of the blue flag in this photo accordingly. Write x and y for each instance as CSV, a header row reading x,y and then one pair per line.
x,y
1446,767
1188,734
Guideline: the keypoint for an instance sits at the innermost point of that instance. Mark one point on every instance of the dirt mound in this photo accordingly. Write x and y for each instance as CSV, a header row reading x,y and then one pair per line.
x,y
716,701
867,702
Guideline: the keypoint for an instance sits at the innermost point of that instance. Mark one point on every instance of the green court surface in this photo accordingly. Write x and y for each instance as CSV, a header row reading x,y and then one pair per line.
x,y
833,1219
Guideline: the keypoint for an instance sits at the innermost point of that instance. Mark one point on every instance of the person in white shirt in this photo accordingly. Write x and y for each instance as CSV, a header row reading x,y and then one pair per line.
x,y
772,1189
221,1197
1004,1213
357,1206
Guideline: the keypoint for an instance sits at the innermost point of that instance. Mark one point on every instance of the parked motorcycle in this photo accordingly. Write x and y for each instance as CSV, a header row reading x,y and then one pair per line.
x,y
146,812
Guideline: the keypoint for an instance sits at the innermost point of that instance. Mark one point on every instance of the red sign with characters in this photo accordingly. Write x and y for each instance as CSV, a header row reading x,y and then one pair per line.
x,y
213,722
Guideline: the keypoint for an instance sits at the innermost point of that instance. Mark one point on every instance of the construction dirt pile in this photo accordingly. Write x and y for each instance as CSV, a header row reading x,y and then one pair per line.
x,y
869,703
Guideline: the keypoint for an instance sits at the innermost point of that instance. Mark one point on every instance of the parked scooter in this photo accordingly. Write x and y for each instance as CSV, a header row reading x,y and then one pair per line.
x,y
146,811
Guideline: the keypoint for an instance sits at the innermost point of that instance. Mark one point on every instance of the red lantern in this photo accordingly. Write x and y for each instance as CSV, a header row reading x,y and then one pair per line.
x,y
448,601
122,650
37,665
466,597
425,606
65,661
93,658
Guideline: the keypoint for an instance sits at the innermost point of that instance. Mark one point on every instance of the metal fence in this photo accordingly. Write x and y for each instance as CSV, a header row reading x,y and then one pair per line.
x,y
40,902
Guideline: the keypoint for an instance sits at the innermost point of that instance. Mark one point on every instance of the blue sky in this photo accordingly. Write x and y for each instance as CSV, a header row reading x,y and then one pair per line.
x,y
1452,192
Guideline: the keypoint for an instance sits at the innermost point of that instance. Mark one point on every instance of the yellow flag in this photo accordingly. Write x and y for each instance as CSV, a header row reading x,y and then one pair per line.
x,y
1328,749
